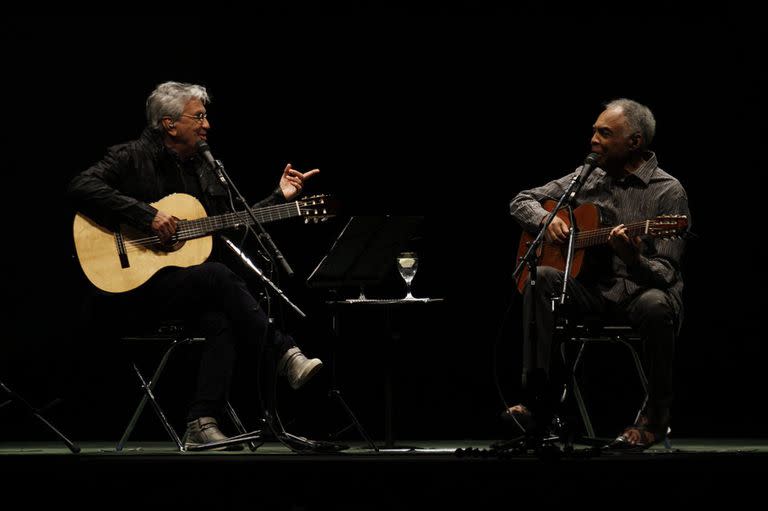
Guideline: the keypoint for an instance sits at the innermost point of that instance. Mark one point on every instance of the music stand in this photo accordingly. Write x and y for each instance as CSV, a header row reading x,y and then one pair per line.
x,y
362,254
364,251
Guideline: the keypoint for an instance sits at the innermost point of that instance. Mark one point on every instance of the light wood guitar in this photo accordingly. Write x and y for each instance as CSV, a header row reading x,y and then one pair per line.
x,y
120,261
589,234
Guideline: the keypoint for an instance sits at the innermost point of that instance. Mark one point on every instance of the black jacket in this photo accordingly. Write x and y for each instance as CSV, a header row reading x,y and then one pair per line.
x,y
119,188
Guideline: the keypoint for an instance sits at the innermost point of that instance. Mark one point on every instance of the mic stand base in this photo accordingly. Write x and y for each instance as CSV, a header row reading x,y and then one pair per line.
x,y
260,436
544,447
555,442
303,444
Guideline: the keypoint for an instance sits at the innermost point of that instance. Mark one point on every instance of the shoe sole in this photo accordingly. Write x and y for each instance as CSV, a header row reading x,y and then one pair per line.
x,y
196,447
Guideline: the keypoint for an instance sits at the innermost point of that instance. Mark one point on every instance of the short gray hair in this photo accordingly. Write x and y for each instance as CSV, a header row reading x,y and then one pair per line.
x,y
169,99
639,117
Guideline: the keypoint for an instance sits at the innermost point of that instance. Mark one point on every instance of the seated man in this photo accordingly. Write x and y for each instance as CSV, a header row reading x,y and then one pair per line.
x,y
164,160
639,281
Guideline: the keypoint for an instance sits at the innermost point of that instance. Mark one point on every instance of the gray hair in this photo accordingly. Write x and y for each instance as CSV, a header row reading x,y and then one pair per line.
x,y
169,99
639,117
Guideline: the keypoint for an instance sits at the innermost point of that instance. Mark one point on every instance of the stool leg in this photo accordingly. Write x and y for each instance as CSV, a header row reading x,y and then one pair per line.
x,y
644,381
148,395
640,373
160,414
577,390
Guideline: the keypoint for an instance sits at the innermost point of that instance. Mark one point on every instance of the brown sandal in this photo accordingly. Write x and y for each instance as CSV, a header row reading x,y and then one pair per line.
x,y
636,438
520,416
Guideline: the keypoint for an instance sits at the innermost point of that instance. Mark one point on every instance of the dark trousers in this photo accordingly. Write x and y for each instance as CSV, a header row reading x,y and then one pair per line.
x,y
217,303
650,312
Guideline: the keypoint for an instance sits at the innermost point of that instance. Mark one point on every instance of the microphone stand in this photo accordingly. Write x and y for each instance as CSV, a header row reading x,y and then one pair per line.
x,y
293,442
263,235
565,199
530,259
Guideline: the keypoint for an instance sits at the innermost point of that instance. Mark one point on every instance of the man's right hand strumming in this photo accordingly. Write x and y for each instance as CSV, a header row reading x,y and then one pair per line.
x,y
164,226
557,230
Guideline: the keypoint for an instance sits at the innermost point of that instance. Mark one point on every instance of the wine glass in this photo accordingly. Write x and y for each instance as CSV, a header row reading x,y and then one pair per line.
x,y
407,263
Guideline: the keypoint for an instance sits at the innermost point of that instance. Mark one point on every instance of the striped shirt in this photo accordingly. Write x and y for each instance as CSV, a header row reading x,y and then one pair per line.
x,y
646,193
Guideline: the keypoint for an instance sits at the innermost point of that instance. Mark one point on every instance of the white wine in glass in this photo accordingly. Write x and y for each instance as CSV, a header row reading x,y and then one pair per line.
x,y
408,263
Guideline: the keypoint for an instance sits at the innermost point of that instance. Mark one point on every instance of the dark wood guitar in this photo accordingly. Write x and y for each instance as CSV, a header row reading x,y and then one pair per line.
x,y
590,234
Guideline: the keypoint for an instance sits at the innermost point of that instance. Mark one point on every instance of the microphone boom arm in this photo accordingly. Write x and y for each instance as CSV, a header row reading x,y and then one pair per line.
x,y
218,168
261,274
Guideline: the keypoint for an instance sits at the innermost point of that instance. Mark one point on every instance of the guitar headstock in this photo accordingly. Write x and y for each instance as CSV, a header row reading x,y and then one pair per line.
x,y
667,226
317,208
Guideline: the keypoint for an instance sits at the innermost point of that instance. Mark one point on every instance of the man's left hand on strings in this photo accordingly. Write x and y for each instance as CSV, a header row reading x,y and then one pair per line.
x,y
626,248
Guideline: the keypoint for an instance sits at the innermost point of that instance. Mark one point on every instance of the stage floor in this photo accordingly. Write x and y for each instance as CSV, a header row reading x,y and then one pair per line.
x,y
415,449
434,473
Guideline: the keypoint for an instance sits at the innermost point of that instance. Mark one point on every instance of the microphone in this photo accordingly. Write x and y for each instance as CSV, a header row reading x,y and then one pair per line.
x,y
590,162
205,151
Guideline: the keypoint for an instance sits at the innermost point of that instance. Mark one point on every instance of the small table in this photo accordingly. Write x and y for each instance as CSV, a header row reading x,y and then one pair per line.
x,y
388,305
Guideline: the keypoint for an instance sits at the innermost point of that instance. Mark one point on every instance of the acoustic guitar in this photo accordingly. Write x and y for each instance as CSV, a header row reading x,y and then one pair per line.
x,y
119,261
590,234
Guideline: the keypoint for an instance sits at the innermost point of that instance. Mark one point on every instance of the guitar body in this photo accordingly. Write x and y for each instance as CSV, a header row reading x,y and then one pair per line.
x,y
116,262
587,218
99,256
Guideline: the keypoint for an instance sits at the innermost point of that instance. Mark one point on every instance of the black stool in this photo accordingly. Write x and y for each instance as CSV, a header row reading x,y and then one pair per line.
x,y
172,332
599,333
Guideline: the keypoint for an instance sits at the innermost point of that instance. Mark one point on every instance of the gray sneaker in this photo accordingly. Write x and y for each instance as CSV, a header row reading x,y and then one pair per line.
x,y
205,430
297,368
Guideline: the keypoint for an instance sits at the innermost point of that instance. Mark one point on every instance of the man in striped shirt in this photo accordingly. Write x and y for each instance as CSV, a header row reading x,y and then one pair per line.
x,y
638,280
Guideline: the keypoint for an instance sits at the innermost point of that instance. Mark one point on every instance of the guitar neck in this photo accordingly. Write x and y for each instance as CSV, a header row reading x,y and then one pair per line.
x,y
190,229
600,236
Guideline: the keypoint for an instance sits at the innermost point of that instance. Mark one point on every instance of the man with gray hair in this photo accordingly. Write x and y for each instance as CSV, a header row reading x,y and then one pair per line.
x,y
165,160
636,280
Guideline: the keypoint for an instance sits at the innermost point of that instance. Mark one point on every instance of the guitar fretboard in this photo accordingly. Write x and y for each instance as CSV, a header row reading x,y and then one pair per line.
x,y
190,229
600,236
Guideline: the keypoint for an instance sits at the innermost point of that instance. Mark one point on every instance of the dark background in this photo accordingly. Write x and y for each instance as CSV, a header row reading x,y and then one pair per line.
x,y
445,117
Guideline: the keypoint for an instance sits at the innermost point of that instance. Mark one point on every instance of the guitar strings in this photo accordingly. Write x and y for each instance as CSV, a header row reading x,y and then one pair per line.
x,y
200,226
598,236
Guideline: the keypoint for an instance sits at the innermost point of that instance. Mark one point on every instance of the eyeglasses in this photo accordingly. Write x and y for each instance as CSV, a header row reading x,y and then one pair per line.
x,y
198,117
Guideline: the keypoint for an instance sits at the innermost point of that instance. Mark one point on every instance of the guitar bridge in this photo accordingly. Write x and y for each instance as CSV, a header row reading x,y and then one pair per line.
x,y
121,253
